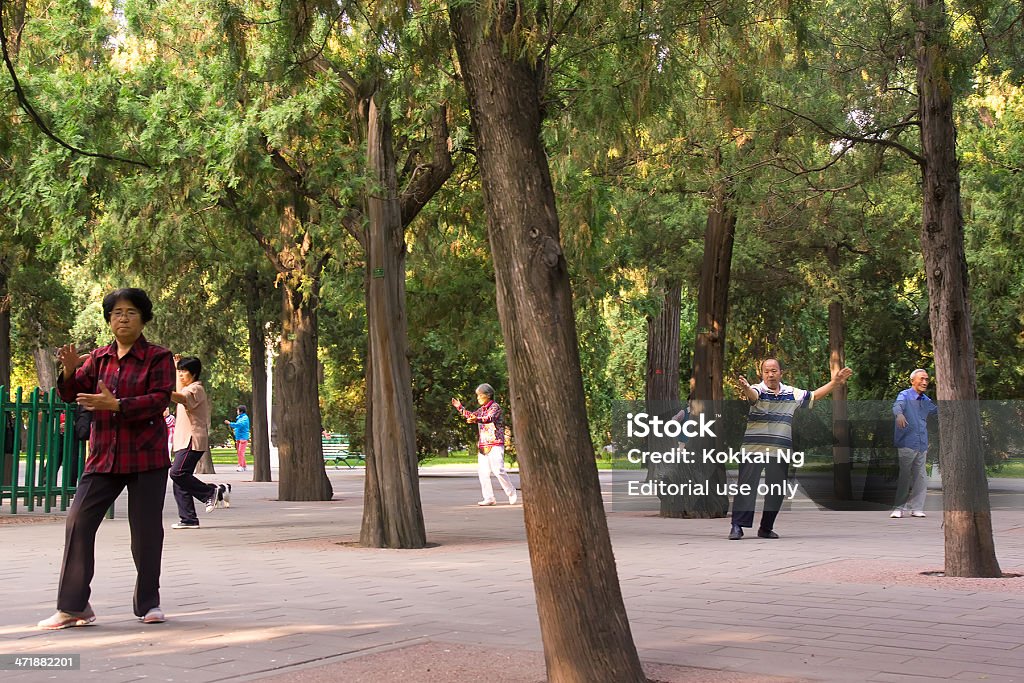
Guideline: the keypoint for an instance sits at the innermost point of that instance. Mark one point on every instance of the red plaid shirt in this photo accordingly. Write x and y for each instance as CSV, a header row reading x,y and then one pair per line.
x,y
134,439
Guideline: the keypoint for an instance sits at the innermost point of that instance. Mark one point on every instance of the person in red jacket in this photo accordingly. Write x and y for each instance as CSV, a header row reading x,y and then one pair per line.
x,y
490,423
126,386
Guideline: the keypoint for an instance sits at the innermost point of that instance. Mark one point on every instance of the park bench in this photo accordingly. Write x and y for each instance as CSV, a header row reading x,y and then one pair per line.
x,y
336,451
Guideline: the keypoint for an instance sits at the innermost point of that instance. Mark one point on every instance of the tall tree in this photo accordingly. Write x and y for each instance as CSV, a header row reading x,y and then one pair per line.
x,y
970,547
583,619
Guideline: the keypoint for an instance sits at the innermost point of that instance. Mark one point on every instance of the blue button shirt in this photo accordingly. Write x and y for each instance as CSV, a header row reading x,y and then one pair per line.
x,y
916,408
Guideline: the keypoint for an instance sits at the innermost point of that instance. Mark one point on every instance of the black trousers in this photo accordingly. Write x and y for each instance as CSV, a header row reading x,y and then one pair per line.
x,y
775,472
187,486
96,493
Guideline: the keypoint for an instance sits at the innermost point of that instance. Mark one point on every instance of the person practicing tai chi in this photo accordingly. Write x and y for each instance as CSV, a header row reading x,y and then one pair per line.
x,y
770,433
490,424
911,410
125,385
240,427
191,439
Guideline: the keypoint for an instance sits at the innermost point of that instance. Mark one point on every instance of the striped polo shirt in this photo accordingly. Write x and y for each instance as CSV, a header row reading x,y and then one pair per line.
x,y
770,423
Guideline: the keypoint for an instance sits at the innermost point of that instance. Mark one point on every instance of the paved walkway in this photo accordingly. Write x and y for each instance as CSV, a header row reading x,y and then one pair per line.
x,y
268,590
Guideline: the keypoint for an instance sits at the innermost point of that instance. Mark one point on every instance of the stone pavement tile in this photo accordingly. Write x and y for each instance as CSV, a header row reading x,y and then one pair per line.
x,y
871,661
887,640
786,662
990,674
899,678
978,652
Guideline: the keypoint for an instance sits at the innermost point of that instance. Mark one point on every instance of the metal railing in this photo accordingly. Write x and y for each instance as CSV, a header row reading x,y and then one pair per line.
x,y
40,458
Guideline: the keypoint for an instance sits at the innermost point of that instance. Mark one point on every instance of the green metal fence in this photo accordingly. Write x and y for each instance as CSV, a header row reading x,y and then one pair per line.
x,y
40,458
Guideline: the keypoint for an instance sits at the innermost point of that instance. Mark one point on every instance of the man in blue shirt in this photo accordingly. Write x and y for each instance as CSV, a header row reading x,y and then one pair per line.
x,y
911,409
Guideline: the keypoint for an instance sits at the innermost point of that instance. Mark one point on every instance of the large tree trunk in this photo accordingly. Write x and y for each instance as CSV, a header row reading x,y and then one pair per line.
x,y
583,620
709,351
662,399
392,511
713,300
302,475
5,326
259,442
969,546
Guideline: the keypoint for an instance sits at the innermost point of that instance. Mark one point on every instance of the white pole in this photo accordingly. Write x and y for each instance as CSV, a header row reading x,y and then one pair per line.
x,y
275,461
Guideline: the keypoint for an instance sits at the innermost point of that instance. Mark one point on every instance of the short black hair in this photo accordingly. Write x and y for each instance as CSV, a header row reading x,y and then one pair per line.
x,y
241,409
135,295
192,364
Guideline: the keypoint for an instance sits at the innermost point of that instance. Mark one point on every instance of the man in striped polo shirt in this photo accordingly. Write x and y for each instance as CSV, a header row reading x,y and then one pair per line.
x,y
770,431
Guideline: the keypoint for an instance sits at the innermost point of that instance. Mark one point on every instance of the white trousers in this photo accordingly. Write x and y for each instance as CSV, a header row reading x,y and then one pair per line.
x,y
493,463
913,482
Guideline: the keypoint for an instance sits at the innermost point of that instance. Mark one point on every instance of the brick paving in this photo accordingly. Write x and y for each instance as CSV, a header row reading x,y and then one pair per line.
x,y
276,590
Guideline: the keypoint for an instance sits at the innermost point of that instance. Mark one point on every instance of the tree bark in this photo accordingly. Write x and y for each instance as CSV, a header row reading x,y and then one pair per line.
x,y
5,326
583,620
713,299
46,368
392,511
842,465
662,379
969,545
259,442
205,464
709,352
302,475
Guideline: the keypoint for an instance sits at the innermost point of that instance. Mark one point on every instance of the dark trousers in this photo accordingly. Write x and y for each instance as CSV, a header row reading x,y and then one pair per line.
x,y
775,472
97,492
187,487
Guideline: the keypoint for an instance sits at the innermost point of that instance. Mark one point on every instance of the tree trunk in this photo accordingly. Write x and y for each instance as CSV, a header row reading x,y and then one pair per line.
x,y
392,511
46,368
713,300
709,352
302,475
583,620
5,326
205,464
662,380
969,546
259,442
842,465
662,399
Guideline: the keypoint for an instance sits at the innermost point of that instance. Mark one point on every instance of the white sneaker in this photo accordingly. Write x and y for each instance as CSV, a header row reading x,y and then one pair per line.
x,y
61,619
488,502
239,469
513,499
154,616
917,513
896,514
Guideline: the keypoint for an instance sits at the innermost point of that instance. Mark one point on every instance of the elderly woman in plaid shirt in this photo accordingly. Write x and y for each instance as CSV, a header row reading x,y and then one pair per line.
x,y
490,443
126,386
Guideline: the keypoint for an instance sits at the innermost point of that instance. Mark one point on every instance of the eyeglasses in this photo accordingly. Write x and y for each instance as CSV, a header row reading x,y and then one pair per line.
x,y
127,315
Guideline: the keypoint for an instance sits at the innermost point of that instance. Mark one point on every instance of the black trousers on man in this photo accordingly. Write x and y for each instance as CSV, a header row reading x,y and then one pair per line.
x,y
776,472
96,493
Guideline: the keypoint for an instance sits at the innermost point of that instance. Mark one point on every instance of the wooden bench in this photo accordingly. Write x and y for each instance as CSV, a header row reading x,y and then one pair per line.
x,y
336,451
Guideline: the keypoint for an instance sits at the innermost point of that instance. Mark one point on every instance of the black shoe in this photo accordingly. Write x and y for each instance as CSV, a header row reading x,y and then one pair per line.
x,y
736,533
761,533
